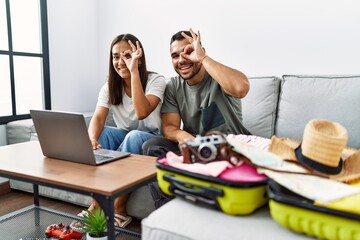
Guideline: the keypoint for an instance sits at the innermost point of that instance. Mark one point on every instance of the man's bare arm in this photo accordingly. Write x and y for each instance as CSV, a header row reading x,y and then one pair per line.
x,y
234,82
171,128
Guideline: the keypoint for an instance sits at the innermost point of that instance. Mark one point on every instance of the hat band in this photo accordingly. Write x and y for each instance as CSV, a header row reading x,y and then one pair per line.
x,y
316,165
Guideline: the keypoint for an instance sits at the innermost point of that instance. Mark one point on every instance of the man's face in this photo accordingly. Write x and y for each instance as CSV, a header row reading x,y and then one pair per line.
x,y
185,68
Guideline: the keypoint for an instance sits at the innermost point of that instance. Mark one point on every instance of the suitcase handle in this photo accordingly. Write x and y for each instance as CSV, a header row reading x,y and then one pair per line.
x,y
194,192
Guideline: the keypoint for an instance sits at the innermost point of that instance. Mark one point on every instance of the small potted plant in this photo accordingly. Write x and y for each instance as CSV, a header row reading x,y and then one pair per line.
x,y
95,225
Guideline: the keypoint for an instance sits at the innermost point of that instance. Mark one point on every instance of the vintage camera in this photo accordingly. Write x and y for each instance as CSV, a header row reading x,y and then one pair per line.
x,y
203,149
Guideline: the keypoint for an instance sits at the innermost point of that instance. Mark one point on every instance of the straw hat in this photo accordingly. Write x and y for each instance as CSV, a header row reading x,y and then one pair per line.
x,y
323,149
322,145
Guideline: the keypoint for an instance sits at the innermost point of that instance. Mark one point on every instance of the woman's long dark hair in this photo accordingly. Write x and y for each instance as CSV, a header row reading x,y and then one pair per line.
x,y
115,82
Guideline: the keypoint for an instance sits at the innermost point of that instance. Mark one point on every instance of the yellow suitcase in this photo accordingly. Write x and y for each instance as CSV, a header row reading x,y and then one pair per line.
x,y
304,216
230,196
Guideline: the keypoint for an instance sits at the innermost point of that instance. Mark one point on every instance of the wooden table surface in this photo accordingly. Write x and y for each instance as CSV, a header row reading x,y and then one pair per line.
x,y
26,160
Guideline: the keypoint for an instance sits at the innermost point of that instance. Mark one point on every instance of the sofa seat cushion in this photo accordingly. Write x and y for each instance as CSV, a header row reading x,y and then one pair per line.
x,y
260,104
304,97
181,220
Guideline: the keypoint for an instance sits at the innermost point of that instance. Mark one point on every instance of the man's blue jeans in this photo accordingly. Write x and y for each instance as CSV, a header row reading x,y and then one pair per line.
x,y
121,140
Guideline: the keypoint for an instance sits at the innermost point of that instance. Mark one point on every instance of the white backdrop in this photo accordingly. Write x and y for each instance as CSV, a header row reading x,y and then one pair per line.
x,y
259,37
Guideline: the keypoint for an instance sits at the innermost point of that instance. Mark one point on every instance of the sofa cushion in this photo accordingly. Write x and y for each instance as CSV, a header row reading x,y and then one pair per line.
x,y
305,97
140,203
24,130
20,131
259,106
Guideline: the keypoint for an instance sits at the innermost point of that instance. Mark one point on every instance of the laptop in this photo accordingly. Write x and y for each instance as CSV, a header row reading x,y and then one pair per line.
x,y
64,135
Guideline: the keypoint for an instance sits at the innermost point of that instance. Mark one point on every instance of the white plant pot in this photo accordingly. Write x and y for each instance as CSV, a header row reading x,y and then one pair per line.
x,y
88,237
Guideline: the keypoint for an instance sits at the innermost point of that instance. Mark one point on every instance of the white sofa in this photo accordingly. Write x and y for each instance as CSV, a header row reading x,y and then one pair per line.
x,y
274,105
280,106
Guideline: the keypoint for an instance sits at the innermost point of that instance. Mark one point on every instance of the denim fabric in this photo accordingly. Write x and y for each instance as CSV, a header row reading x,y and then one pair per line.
x,y
121,140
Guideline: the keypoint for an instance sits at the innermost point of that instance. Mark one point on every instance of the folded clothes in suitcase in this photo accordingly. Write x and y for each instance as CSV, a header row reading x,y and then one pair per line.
x,y
339,220
239,190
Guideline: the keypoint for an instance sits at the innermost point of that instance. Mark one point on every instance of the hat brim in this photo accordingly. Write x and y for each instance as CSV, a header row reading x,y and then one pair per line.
x,y
285,148
316,165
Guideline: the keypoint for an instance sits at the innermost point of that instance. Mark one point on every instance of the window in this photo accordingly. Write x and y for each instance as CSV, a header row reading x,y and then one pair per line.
x,y
24,59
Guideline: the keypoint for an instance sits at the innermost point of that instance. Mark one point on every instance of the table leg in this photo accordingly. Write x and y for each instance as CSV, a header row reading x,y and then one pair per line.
x,y
36,194
37,203
107,204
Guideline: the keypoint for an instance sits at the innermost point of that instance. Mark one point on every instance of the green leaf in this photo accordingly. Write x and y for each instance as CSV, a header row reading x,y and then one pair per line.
x,y
95,223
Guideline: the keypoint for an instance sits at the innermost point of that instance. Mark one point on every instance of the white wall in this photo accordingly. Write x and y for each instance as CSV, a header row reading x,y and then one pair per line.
x,y
73,47
259,37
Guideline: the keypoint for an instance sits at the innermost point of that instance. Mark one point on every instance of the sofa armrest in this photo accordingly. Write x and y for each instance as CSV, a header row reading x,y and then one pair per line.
x,y
24,130
20,131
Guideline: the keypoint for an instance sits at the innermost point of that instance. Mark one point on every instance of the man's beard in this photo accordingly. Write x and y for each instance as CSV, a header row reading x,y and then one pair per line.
x,y
193,74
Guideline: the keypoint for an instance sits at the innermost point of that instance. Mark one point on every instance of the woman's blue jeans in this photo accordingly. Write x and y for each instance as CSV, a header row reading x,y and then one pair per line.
x,y
121,140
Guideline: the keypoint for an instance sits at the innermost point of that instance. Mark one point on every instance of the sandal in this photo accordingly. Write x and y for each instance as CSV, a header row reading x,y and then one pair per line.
x,y
77,225
121,221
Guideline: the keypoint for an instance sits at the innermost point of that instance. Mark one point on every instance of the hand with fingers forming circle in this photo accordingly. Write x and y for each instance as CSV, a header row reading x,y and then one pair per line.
x,y
193,51
131,57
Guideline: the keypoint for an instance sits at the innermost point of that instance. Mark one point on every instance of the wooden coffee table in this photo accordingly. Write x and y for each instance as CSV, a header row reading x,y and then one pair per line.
x,y
25,162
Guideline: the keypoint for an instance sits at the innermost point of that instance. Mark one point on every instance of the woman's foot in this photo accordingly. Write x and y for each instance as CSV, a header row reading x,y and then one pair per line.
x,y
77,225
121,220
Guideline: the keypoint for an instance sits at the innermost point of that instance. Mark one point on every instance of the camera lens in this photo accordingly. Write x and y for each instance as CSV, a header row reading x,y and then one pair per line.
x,y
207,151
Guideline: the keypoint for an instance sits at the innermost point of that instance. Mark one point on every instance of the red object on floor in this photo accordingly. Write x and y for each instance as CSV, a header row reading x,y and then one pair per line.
x,y
62,232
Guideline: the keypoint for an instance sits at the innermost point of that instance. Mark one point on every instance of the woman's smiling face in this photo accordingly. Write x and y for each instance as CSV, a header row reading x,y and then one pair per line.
x,y
118,63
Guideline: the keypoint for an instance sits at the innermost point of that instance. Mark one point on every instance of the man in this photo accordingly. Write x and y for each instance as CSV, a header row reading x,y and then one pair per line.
x,y
205,96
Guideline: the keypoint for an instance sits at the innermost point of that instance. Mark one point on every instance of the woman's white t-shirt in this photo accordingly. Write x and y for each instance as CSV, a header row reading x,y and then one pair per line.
x,y
124,114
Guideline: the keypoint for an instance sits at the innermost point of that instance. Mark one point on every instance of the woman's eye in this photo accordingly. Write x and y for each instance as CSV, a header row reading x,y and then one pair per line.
x,y
127,56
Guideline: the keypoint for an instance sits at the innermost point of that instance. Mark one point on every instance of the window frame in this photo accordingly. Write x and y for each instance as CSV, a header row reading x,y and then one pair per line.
x,y
44,55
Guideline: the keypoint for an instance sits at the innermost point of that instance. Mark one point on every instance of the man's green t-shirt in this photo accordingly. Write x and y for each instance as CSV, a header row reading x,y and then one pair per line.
x,y
203,107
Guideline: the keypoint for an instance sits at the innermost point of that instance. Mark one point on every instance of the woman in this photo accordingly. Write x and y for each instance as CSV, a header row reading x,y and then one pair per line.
x,y
135,96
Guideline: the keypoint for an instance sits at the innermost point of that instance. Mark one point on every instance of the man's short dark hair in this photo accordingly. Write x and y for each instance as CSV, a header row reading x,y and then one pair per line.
x,y
177,36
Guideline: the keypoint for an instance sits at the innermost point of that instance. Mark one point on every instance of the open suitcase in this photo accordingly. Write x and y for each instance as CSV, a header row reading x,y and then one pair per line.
x,y
303,216
235,197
